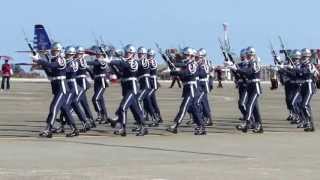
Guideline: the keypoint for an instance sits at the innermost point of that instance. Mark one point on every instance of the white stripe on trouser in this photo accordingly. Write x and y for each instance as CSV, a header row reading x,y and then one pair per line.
x,y
250,108
258,88
307,101
155,83
207,87
294,98
124,120
63,87
97,103
103,83
147,81
244,100
192,91
68,99
200,97
184,110
140,99
55,109
84,83
134,87
80,94
76,87
150,93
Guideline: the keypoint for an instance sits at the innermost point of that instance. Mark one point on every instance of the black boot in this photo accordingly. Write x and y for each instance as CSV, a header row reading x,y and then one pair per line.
x,y
73,133
136,129
143,131
86,127
92,123
173,129
243,126
309,127
59,130
159,118
155,122
120,130
197,130
99,118
290,117
258,128
209,122
46,133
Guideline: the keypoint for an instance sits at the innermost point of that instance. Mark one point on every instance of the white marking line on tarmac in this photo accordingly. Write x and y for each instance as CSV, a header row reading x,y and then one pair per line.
x,y
16,98
227,98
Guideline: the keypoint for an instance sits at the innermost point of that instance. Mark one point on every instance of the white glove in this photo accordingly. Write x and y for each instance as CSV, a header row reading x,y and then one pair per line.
x,y
281,66
276,68
290,66
233,67
228,63
35,57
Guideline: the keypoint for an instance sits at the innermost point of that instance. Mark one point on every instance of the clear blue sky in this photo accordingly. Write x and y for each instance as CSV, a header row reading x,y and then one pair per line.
x,y
169,22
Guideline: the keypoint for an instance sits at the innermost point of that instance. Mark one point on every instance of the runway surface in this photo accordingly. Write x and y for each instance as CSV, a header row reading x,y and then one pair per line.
x,y
282,152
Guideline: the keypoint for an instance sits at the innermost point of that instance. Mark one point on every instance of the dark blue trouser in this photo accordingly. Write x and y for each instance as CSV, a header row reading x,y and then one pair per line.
x,y
243,97
296,101
145,103
204,105
71,100
129,100
83,101
189,103
98,100
153,99
252,105
59,103
307,91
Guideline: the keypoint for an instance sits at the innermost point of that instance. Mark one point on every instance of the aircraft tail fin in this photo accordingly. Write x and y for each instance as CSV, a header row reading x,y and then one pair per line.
x,y
41,38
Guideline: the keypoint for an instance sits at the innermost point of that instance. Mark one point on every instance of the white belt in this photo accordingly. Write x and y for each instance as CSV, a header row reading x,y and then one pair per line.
x,y
99,75
197,78
253,80
297,81
129,79
203,79
81,76
154,76
144,75
308,80
57,78
71,80
191,83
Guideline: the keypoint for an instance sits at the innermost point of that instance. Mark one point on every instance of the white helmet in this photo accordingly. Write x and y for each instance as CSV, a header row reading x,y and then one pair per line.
x,y
296,54
251,51
243,52
202,52
151,52
80,49
129,49
70,50
187,51
56,46
305,52
142,50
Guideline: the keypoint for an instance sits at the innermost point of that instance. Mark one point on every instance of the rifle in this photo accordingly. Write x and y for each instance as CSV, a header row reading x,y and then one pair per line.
x,y
165,58
105,54
223,49
28,43
226,37
274,54
285,51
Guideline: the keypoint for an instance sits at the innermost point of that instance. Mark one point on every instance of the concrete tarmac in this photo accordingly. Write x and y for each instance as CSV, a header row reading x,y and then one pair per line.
x,y
282,152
